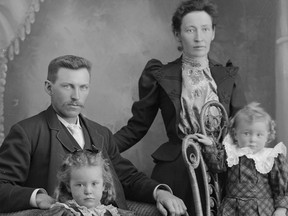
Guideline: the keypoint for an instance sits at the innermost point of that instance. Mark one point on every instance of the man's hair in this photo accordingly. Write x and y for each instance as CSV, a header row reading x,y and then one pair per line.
x,y
84,158
186,7
250,113
67,61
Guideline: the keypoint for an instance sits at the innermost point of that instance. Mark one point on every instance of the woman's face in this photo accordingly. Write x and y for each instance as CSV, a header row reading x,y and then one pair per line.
x,y
196,34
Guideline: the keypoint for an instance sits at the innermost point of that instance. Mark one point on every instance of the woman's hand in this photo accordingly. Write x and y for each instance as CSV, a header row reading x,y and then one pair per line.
x,y
205,140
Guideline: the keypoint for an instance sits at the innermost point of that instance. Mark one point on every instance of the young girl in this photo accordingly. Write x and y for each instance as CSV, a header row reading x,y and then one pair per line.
x,y
257,176
86,186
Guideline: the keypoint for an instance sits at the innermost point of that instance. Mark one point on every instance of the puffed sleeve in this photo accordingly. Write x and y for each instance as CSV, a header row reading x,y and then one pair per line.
x,y
144,111
238,99
279,181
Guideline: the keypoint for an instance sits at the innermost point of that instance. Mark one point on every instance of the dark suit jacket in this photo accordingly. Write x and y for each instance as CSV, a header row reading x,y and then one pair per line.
x,y
160,88
34,149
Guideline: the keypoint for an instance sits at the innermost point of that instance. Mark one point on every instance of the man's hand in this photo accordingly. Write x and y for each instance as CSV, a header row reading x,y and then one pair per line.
x,y
167,203
44,201
280,212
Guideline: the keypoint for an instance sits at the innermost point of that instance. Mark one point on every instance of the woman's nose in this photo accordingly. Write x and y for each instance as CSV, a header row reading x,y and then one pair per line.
x,y
198,36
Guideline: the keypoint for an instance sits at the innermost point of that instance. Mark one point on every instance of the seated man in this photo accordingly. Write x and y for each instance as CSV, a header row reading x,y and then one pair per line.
x,y
34,148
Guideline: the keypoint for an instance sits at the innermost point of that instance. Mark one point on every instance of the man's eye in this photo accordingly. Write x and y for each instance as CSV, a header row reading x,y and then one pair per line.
x,y
84,88
66,86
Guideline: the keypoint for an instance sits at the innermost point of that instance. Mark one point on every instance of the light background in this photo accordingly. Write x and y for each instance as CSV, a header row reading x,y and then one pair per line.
x,y
119,37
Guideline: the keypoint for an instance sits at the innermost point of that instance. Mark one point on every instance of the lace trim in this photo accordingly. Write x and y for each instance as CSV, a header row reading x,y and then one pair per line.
x,y
264,160
97,211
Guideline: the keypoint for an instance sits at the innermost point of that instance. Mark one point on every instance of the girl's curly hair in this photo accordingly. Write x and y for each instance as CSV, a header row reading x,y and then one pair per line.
x,y
252,112
81,159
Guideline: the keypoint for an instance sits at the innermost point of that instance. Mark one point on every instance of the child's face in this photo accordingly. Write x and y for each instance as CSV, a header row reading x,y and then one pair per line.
x,y
253,135
86,185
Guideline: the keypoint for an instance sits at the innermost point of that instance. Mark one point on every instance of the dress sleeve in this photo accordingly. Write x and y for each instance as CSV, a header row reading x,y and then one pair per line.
x,y
238,99
143,111
279,181
214,156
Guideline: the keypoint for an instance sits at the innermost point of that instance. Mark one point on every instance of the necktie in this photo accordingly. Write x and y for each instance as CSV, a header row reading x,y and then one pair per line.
x,y
77,134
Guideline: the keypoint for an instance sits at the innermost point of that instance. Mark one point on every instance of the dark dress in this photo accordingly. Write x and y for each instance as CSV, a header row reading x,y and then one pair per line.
x,y
160,88
248,192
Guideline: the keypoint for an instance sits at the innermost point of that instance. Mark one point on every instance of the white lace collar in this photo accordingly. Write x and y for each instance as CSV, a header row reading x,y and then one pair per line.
x,y
264,160
97,211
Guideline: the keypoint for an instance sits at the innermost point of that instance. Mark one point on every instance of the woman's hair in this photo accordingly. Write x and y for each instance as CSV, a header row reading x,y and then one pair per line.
x,y
186,7
84,158
252,112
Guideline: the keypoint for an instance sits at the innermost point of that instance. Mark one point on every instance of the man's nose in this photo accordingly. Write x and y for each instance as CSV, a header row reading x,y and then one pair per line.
x,y
76,94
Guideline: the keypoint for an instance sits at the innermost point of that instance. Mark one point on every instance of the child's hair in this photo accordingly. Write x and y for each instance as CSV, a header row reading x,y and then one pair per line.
x,y
252,112
84,158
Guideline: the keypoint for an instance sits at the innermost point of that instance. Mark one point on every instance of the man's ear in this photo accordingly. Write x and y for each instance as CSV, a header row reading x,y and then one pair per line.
x,y
48,87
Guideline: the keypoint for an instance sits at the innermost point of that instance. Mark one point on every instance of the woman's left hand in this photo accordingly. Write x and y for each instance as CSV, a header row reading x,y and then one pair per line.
x,y
205,140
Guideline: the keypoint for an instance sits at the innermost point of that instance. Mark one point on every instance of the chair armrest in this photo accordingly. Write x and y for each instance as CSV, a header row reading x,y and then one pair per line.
x,y
28,212
140,209
143,209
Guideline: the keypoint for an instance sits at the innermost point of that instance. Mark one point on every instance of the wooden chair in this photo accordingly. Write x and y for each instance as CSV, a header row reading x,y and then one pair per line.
x,y
213,121
140,209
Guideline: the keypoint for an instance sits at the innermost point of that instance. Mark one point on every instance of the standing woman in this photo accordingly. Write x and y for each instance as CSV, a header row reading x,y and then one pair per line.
x,y
180,89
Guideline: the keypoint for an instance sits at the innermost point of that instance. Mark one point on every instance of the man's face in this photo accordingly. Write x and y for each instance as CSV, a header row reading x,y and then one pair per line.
x,y
69,92
86,185
196,34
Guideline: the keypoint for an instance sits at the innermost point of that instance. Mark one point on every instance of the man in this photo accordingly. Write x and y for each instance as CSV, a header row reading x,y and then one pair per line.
x,y
34,148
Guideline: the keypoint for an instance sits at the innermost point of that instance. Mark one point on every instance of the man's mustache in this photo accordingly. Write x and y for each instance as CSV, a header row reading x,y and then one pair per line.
x,y
75,104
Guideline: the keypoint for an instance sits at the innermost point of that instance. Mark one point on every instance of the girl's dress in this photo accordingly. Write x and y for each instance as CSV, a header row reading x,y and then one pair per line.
x,y
101,210
256,183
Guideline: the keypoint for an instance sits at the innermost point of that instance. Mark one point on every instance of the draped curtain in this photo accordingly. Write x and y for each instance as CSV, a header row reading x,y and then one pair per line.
x,y
16,17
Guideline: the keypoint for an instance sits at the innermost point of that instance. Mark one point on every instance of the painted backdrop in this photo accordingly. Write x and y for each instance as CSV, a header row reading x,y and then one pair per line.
x,y
119,37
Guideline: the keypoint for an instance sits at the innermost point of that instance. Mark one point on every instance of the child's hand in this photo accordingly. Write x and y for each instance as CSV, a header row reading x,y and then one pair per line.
x,y
203,139
280,212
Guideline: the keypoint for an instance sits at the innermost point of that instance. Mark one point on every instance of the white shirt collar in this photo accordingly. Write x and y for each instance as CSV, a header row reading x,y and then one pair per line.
x,y
66,124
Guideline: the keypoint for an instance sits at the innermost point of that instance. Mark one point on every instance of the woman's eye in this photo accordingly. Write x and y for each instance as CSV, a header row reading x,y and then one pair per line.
x,y
190,30
206,29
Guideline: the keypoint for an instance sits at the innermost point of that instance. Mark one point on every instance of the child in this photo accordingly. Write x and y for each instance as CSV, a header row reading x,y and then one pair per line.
x,y
257,176
86,186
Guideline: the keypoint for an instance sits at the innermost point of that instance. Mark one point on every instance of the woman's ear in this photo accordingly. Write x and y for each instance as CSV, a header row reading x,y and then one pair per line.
x,y
177,35
213,33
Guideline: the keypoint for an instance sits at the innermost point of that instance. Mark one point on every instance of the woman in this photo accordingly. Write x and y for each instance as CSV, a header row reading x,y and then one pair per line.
x,y
179,89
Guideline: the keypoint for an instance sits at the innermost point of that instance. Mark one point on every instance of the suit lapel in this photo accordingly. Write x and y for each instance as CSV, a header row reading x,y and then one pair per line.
x,y
58,132
97,139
